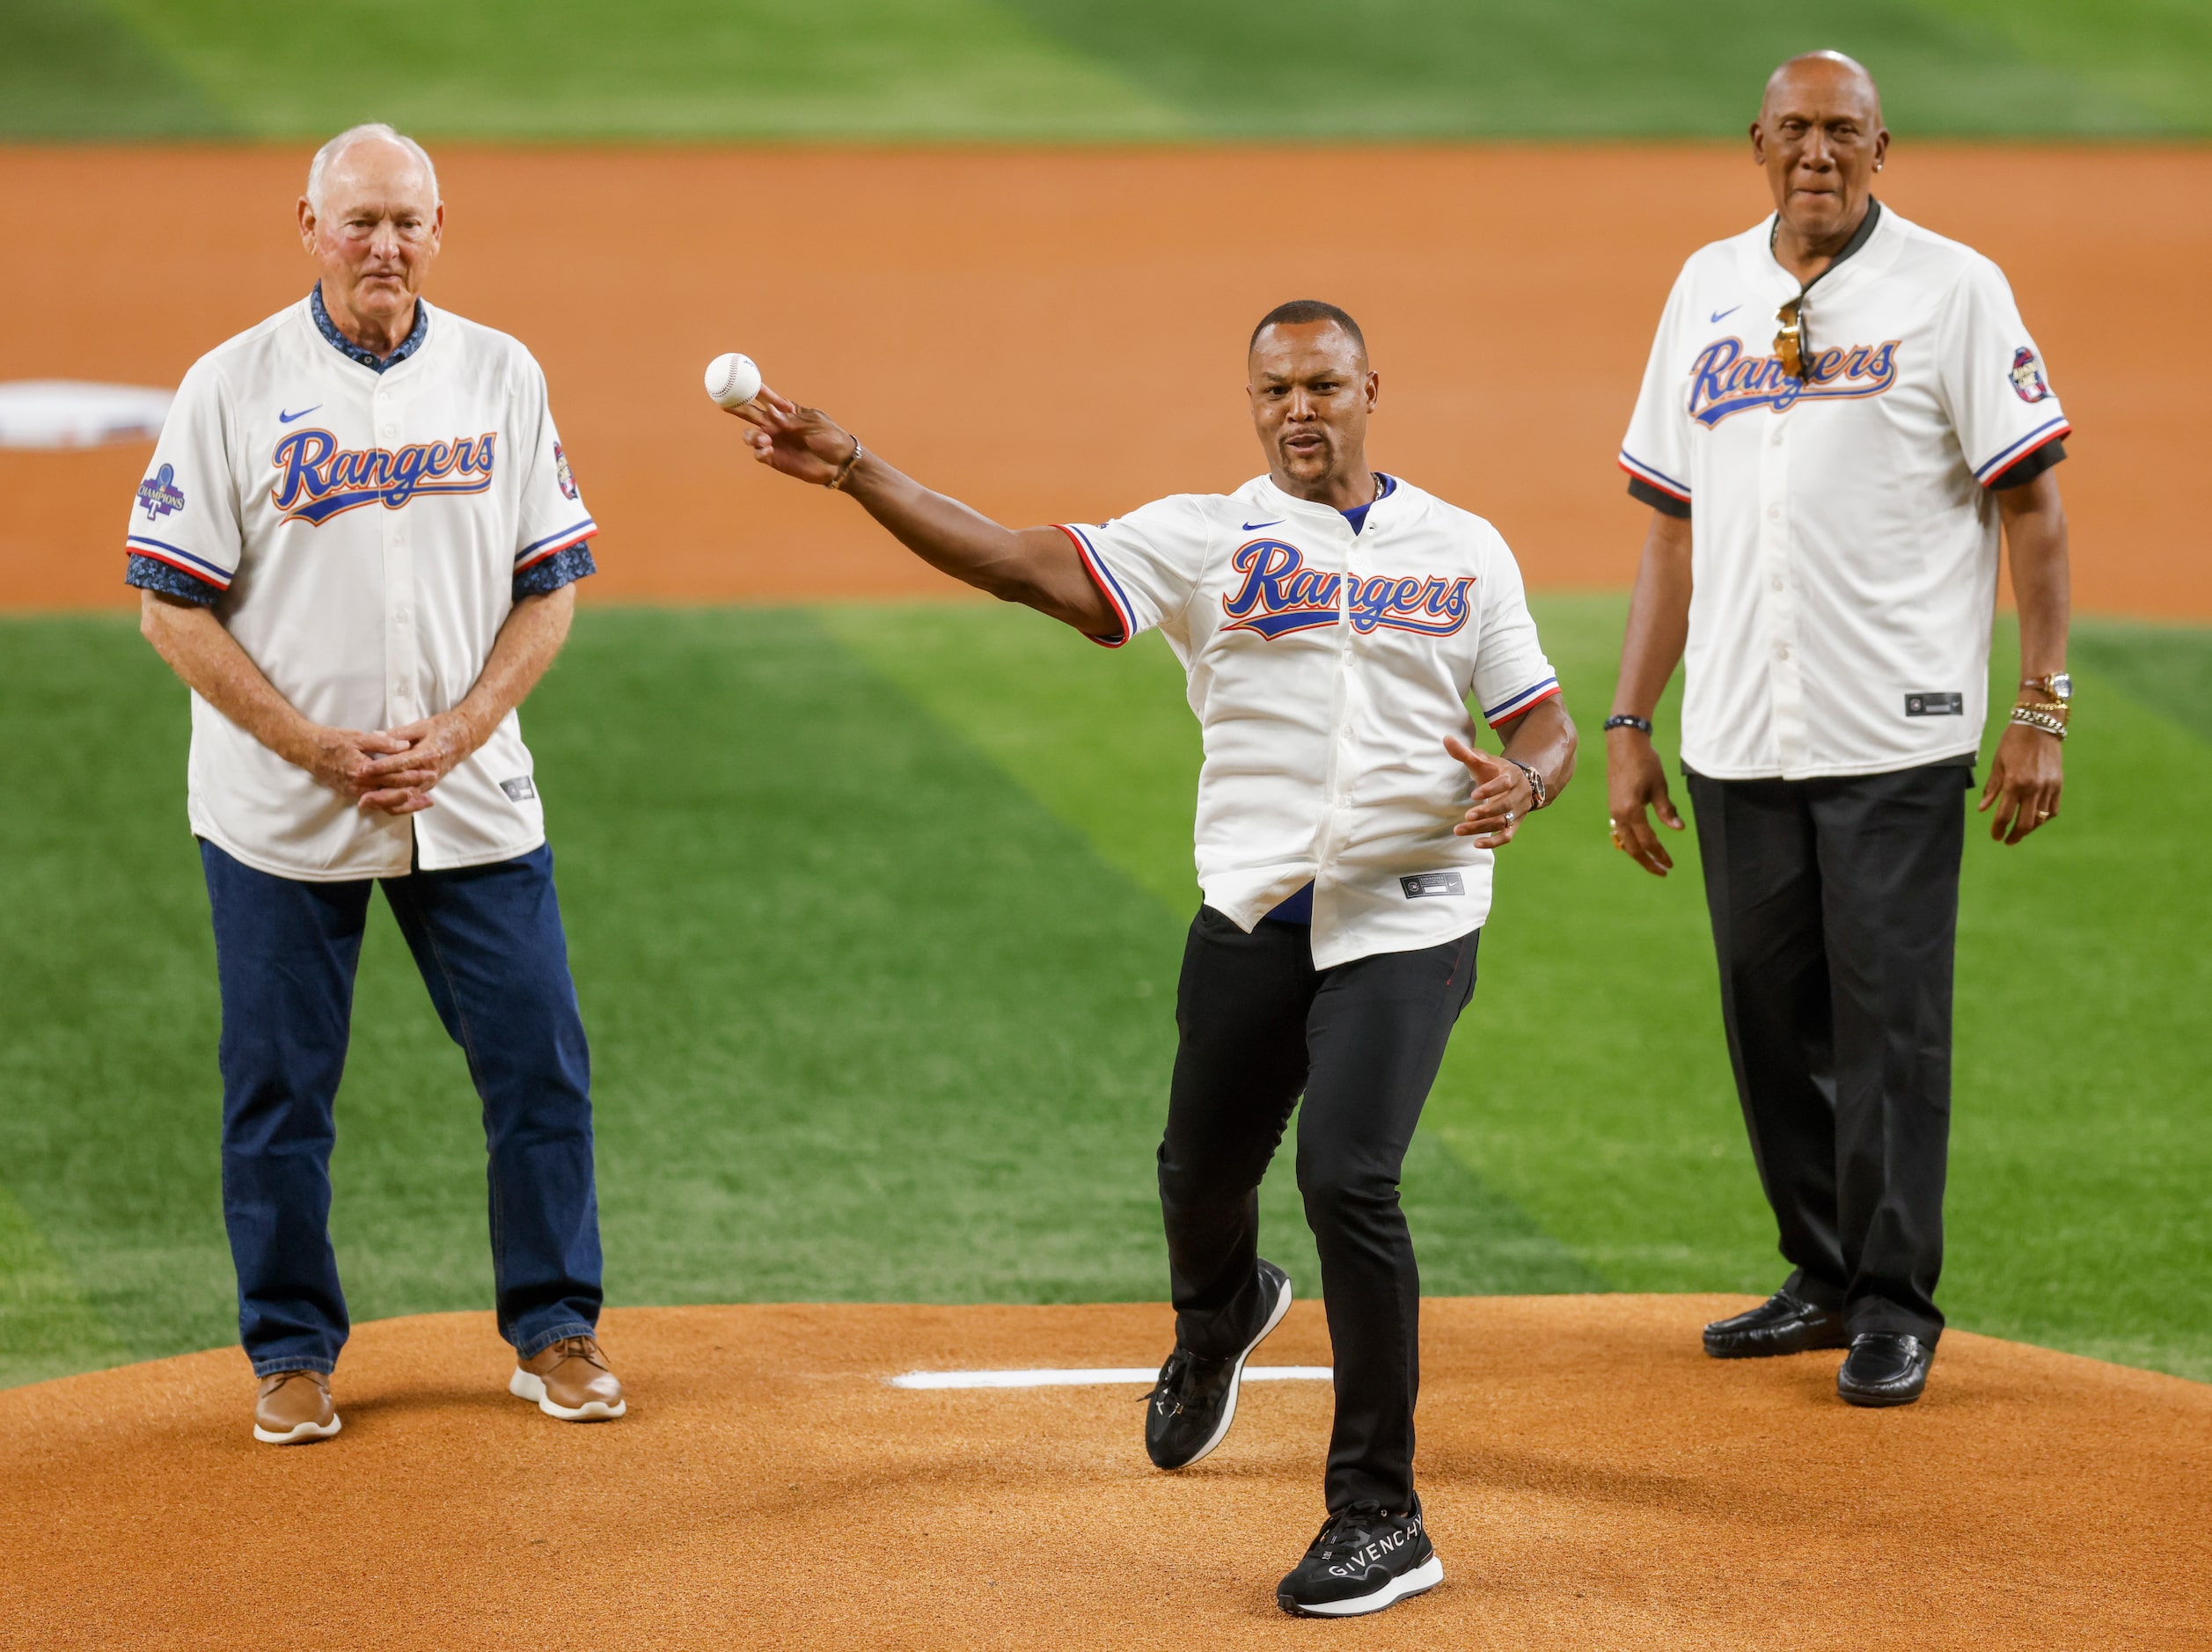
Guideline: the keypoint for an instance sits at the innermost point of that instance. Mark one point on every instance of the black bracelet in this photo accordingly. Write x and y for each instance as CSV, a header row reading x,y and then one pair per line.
x,y
1619,720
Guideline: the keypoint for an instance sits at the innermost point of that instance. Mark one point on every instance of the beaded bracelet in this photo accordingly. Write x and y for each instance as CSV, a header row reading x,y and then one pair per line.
x,y
1620,720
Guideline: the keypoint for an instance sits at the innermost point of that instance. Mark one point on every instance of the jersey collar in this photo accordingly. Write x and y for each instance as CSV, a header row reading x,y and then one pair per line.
x,y
353,352
1860,237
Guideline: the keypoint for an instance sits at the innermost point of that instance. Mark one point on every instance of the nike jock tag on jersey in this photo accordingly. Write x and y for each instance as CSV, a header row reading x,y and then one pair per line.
x,y
1431,883
1934,704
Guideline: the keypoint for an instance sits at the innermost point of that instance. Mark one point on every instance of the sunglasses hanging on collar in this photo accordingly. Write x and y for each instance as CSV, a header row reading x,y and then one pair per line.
x,y
1790,345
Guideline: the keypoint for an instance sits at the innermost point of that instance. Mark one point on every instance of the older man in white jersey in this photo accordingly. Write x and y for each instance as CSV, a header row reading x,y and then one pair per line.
x,y
358,547
1841,413
1333,621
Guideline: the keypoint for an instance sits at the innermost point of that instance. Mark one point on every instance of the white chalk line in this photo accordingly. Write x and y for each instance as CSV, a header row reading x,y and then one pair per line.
x,y
1088,1376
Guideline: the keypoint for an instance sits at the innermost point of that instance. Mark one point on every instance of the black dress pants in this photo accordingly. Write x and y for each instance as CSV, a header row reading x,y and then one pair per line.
x,y
1362,1040
1834,907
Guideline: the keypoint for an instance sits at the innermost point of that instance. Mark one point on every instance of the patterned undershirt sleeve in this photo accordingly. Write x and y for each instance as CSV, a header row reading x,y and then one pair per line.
x,y
563,567
149,575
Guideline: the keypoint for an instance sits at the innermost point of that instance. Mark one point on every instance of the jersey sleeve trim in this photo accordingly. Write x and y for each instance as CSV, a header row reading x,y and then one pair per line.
x,y
147,574
1527,699
553,544
1643,494
2042,435
177,557
1658,478
1109,587
2027,467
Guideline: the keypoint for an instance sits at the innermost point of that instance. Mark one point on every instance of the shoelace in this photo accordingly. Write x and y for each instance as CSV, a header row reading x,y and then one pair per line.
x,y
584,1348
1174,1384
285,1377
1353,1523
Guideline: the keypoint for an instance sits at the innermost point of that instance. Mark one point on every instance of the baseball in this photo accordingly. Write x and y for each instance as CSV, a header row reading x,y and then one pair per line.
x,y
732,380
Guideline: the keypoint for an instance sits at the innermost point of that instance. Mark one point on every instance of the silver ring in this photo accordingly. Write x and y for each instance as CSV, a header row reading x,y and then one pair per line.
x,y
1509,817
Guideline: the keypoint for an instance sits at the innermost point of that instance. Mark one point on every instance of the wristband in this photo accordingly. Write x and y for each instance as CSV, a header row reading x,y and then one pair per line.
x,y
1622,720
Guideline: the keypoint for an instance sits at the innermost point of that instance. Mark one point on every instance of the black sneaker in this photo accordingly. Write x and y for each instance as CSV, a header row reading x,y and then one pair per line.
x,y
1189,1410
1365,1559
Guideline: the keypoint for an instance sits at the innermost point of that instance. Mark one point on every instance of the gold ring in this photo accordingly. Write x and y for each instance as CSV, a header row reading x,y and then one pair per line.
x,y
2042,813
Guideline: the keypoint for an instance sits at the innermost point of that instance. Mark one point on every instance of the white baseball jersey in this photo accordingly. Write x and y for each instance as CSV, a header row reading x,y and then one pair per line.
x,y
1326,667
365,530
1844,541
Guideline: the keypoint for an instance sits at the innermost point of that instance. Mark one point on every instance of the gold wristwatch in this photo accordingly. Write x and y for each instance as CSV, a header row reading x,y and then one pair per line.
x,y
2059,686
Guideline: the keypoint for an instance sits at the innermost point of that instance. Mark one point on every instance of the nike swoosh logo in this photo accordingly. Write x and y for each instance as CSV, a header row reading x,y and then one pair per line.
x,y
1722,314
1251,526
284,418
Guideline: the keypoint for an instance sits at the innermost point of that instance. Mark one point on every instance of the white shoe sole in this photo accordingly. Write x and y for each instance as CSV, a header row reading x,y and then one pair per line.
x,y
300,1433
1236,1378
1419,1581
528,1385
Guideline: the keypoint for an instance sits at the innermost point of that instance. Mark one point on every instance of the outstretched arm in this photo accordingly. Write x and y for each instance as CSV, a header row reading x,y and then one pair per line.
x,y
1037,567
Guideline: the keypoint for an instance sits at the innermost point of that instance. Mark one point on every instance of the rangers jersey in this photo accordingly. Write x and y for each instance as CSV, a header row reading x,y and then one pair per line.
x,y
1326,665
1844,539
361,533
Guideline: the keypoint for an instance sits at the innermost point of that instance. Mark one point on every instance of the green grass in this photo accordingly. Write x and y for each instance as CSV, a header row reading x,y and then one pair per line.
x,y
876,914
1073,69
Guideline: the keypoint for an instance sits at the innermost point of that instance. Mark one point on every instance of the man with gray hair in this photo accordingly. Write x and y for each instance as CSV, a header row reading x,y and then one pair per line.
x,y
354,673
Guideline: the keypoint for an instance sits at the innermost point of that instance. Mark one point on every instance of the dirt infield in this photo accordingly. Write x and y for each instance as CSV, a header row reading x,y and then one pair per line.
x,y
1592,1480
1059,333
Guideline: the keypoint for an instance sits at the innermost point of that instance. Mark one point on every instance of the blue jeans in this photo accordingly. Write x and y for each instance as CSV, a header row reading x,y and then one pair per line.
x,y
489,944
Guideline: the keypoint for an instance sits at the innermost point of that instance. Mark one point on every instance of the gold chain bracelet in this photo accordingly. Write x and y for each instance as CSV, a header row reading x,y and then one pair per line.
x,y
2042,717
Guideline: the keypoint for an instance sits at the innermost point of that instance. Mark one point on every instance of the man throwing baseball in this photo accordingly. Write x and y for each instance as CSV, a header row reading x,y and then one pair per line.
x,y
1333,622
358,547
1842,413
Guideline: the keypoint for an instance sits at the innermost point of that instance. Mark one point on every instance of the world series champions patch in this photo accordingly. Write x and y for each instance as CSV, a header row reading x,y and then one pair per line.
x,y
2028,382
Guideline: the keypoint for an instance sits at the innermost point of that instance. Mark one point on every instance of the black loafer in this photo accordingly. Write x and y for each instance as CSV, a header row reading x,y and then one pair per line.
x,y
1885,1370
1783,1323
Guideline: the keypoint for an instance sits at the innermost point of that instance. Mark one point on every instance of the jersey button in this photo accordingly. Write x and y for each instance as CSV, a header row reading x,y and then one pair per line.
x,y
1774,512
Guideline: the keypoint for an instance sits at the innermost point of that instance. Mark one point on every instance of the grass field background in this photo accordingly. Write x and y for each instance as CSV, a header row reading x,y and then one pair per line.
x,y
876,913
1139,69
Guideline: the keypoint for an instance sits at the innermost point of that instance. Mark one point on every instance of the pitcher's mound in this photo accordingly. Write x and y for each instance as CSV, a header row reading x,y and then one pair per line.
x,y
1591,1481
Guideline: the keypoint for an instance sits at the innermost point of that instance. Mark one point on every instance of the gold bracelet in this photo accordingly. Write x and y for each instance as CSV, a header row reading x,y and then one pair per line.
x,y
845,470
2036,718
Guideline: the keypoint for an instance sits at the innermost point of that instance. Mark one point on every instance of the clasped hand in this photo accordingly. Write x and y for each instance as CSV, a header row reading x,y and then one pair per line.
x,y
389,771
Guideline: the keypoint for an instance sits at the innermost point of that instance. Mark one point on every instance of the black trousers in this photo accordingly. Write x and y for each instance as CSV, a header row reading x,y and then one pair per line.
x,y
1362,1040
1834,907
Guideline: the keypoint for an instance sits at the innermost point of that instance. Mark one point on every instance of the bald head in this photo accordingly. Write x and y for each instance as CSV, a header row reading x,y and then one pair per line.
x,y
1827,77
1819,138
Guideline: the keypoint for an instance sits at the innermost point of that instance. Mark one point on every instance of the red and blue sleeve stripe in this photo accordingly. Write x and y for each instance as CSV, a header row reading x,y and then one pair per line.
x,y
554,543
1109,587
2005,458
1514,705
1657,477
179,558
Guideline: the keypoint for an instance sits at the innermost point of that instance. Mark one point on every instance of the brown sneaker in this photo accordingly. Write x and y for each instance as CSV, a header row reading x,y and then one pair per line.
x,y
570,1380
294,1408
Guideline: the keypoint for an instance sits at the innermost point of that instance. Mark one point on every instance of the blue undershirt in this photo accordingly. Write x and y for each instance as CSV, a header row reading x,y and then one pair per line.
x,y
1299,908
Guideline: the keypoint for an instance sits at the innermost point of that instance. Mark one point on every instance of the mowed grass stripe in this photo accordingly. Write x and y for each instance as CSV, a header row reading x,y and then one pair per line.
x,y
870,1023
1588,1085
1065,69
